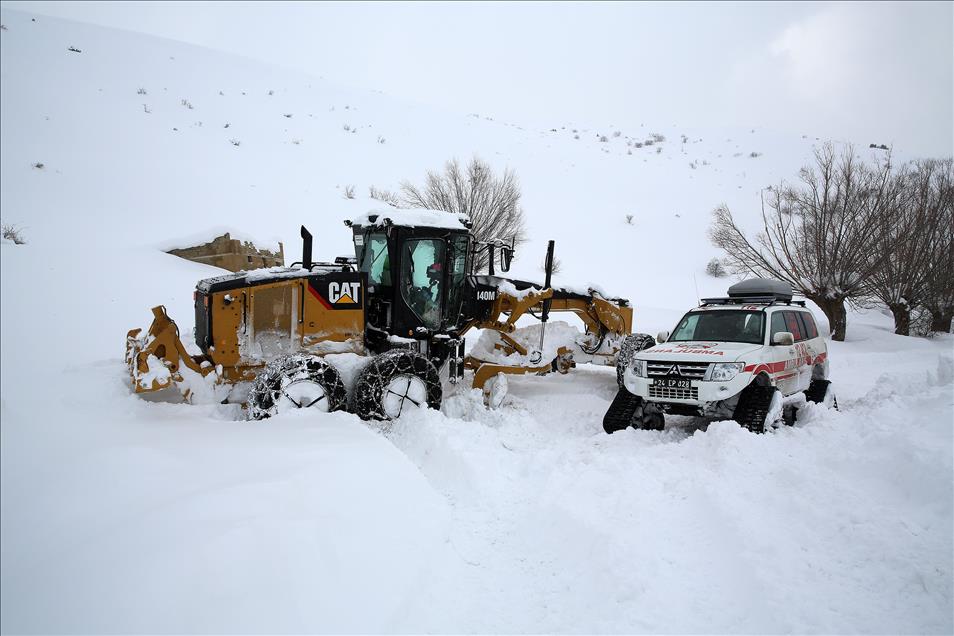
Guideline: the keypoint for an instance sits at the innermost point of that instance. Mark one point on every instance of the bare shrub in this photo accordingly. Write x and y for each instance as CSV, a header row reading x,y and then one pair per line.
x,y
617,133
39,165
381,140
235,142
12,233
288,115
629,219
557,266
347,127
349,192
658,138
141,91
603,139
755,155
715,269
385,196
145,109
492,202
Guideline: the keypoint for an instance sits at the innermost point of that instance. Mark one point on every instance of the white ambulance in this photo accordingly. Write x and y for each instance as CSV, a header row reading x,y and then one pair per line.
x,y
745,357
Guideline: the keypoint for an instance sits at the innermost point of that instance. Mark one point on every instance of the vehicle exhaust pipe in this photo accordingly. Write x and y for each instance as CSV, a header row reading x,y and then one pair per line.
x,y
537,355
305,248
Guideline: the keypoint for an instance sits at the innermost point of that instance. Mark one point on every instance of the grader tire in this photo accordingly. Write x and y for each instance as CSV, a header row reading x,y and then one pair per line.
x,y
293,382
393,381
632,344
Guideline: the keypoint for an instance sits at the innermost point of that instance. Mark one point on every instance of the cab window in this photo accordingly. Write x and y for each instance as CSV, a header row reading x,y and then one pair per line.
x,y
373,257
422,278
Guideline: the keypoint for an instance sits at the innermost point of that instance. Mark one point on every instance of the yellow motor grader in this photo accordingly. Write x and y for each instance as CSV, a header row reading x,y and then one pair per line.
x,y
404,302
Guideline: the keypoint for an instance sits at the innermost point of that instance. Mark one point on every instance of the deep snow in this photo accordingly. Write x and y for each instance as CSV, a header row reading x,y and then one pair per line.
x,y
121,514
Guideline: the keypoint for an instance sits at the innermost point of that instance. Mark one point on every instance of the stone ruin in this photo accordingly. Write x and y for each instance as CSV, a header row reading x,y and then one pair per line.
x,y
232,254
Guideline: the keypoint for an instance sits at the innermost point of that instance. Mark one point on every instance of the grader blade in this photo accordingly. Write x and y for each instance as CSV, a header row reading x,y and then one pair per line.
x,y
156,359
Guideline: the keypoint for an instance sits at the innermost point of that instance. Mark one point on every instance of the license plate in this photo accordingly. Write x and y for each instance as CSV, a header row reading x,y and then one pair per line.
x,y
672,383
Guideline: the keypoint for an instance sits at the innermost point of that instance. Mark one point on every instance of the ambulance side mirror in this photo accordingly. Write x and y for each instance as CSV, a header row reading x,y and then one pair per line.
x,y
662,337
783,339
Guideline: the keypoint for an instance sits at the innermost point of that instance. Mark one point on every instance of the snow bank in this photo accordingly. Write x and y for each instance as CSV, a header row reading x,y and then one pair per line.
x,y
839,524
138,517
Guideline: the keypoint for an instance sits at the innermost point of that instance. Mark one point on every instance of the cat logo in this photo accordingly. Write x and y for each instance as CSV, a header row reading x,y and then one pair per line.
x,y
344,293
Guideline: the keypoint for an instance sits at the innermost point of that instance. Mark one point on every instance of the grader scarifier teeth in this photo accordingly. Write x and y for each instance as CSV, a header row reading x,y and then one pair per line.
x,y
155,360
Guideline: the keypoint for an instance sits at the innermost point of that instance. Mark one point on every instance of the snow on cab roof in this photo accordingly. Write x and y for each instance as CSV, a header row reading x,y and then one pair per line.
x,y
413,218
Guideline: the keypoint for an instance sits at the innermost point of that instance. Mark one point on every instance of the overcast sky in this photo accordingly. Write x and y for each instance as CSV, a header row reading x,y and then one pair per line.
x,y
870,72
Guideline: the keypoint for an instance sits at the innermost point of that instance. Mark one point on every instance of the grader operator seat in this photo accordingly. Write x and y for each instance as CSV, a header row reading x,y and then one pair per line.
x,y
416,263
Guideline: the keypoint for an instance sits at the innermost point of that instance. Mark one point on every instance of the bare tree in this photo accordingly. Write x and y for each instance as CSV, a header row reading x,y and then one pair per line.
x,y
814,235
904,235
939,277
491,202
715,269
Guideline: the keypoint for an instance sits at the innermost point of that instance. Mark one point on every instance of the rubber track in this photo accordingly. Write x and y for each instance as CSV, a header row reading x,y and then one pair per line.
x,y
753,407
620,412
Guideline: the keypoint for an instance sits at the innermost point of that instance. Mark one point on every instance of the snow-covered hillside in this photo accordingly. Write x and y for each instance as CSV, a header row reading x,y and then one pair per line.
x,y
125,515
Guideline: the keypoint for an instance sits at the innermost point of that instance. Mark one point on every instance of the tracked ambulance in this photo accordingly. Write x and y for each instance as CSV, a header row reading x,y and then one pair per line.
x,y
750,356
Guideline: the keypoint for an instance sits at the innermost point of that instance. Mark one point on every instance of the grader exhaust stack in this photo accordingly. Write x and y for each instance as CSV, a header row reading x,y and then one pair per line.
x,y
545,314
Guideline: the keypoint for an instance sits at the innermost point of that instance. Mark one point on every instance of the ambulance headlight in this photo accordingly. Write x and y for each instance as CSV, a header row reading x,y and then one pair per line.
x,y
638,368
723,371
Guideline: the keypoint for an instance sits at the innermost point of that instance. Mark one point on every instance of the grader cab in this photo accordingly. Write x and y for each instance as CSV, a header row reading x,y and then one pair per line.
x,y
268,338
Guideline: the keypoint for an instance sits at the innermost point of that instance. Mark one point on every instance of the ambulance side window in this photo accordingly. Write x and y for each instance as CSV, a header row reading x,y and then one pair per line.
x,y
778,325
811,331
794,325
